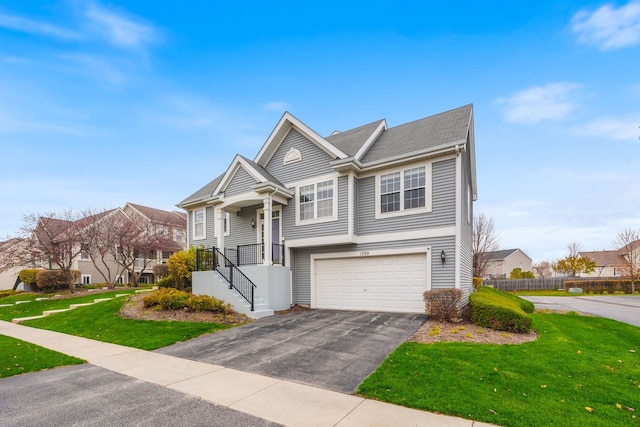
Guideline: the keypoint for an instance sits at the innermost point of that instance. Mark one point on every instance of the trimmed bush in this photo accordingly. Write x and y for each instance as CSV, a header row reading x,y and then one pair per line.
x,y
28,276
174,299
608,286
477,282
443,304
166,282
56,279
498,310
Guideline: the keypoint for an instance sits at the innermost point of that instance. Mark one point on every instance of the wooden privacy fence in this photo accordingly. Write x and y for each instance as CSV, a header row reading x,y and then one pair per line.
x,y
547,283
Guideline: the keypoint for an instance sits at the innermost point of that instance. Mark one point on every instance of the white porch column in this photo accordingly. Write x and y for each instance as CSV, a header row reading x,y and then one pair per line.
x,y
220,229
267,230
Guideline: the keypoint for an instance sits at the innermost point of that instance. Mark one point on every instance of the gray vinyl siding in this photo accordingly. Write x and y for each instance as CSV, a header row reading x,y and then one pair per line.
x,y
314,161
241,183
339,227
442,276
241,231
443,204
210,239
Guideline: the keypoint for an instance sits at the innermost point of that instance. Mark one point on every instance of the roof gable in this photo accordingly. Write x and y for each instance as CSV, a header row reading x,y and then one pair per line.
x,y
286,123
254,170
353,141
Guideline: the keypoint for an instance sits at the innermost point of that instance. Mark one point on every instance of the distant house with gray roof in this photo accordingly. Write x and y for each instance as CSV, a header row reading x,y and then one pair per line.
x,y
501,263
365,219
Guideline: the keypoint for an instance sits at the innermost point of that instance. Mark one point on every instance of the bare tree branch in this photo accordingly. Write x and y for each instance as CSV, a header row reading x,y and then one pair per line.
x,y
628,241
485,239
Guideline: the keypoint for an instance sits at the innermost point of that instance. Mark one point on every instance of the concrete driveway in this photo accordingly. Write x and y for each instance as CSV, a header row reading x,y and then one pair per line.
x,y
335,350
621,308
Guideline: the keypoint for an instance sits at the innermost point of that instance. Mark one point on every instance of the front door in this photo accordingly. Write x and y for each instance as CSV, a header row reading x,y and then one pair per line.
x,y
276,233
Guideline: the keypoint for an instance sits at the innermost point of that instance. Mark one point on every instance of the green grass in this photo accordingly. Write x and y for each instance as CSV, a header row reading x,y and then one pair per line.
x,y
101,322
19,357
34,308
576,363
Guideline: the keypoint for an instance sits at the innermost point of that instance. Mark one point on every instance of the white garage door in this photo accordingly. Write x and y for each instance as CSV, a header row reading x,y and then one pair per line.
x,y
373,283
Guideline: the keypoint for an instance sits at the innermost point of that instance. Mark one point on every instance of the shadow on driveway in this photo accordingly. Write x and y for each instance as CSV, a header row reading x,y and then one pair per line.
x,y
335,350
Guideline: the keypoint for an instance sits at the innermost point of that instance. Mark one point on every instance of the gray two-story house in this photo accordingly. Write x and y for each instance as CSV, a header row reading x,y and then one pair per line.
x,y
364,219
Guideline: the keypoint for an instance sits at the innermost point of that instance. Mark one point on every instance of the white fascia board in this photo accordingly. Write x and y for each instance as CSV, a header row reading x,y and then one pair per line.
x,y
277,135
372,238
472,156
372,138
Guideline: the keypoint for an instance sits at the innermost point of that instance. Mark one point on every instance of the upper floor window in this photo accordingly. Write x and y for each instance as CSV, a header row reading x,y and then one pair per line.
x,y
199,217
179,235
84,252
403,191
316,201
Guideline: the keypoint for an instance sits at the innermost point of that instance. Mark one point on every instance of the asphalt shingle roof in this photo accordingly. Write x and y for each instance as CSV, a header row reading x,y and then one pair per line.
x,y
204,192
350,141
418,135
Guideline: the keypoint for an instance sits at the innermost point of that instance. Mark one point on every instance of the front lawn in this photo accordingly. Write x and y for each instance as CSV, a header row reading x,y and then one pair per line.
x,y
102,322
34,308
19,357
580,371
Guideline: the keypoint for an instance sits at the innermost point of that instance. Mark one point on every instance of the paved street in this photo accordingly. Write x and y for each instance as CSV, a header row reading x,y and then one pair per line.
x,y
621,308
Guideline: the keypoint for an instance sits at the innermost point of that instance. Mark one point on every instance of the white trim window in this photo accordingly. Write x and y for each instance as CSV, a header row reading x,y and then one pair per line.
x,y
199,224
404,191
86,279
227,224
316,202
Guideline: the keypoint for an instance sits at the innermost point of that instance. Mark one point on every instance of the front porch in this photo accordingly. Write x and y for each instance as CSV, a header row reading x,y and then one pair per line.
x,y
241,277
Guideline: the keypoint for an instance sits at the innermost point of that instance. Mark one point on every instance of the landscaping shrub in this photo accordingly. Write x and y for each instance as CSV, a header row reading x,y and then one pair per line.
x,y
56,279
608,286
180,266
498,310
207,303
477,282
166,282
443,304
174,299
28,276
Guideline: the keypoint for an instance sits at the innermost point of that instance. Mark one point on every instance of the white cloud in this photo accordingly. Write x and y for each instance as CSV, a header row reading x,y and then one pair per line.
x,y
535,104
30,26
611,128
277,106
609,27
118,29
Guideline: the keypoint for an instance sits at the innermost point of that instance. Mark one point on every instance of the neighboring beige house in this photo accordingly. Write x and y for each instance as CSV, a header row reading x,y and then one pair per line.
x,y
9,275
501,263
169,227
608,263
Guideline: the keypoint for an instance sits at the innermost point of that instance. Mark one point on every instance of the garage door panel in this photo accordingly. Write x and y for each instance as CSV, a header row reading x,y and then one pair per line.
x,y
385,283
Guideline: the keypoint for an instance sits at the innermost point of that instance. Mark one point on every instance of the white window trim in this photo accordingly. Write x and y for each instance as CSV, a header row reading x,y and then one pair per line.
x,y
314,182
88,276
204,224
428,191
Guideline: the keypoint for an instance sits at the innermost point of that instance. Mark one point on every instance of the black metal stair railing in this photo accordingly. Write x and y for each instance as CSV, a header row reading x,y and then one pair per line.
x,y
211,259
253,254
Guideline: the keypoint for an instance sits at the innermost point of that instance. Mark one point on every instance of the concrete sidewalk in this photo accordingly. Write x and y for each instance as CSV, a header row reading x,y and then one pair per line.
x,y
271,399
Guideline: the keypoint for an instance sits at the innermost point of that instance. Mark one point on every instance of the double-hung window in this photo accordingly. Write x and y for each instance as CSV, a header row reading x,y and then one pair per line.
x,y
199,224
403,191
316,202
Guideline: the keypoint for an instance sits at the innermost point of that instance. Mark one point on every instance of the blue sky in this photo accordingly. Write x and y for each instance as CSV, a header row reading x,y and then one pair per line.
x,y
107,102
